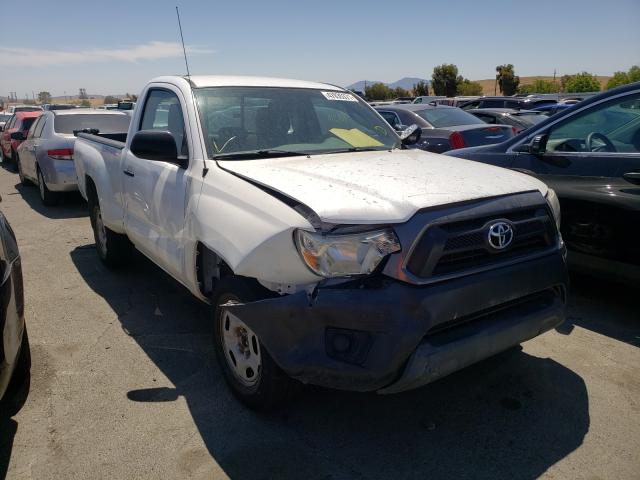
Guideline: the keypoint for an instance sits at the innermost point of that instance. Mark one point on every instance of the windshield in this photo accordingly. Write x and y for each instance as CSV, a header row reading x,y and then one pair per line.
x,y
528,119
447,117
246,120
4,118
104,122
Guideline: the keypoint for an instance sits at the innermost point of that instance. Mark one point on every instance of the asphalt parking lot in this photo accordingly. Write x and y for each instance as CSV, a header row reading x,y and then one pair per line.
x,y
124,385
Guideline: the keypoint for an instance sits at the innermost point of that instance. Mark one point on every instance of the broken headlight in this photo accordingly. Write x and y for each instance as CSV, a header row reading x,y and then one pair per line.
x,y
554,203
343,255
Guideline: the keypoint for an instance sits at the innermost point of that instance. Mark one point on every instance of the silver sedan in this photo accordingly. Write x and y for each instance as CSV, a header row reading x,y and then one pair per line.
x,y
45,157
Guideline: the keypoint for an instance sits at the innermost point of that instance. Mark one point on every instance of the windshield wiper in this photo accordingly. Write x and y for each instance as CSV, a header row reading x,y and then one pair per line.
x,y
267,153
353,149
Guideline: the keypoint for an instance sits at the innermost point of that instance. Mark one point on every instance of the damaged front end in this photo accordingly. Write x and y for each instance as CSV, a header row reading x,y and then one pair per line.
x,y
410,316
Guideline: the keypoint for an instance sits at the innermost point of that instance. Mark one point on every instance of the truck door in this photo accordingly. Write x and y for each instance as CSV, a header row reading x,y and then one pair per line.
x,y
155,191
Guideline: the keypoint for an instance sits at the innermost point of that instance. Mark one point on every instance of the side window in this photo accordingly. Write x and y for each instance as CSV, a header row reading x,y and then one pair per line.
x,y
39,126
486,118
492,103
11,123
471,105
418,100
162,111
610,127
31,131
392,119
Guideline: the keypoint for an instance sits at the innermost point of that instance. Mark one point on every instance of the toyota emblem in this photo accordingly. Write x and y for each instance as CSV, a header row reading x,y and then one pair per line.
x,y
500,235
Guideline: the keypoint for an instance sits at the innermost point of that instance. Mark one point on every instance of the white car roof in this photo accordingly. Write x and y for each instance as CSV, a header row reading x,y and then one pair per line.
x,y
81,111
248,81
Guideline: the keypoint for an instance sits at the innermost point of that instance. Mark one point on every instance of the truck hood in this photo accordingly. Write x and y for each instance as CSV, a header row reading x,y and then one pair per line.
x,y
380,187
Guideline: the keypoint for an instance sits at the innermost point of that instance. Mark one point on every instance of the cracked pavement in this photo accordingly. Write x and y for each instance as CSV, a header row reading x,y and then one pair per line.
x,y
124,385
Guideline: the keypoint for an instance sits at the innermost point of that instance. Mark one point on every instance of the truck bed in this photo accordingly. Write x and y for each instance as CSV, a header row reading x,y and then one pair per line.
x,y
116,140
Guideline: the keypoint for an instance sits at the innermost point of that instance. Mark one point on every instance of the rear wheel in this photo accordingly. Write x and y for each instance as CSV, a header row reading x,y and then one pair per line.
x,y
113,249
248,369
18,388
47,196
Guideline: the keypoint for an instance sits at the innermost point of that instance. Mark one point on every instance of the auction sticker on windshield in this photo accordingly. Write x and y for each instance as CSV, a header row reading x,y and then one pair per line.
x,y
339,96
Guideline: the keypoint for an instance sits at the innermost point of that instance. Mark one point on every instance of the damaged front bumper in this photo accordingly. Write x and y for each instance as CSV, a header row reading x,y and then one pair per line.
x,y
393,336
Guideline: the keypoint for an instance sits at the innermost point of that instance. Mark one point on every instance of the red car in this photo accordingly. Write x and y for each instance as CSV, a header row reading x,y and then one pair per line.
x,y
19,122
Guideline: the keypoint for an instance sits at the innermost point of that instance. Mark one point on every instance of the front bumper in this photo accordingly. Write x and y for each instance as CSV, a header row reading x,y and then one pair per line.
x,y
393,336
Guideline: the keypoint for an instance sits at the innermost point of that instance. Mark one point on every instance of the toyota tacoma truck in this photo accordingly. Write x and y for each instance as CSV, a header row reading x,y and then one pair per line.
x,y
330,253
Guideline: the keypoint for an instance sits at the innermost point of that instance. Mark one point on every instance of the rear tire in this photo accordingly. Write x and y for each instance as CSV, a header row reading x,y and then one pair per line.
x,y
18,389
114,249
48,197
268,387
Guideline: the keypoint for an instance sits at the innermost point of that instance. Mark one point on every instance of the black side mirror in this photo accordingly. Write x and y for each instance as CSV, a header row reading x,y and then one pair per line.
x,y
538,145
157,145
18,136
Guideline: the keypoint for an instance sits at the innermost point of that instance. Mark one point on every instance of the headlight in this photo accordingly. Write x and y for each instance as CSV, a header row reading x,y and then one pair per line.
x,y
552,200
343,255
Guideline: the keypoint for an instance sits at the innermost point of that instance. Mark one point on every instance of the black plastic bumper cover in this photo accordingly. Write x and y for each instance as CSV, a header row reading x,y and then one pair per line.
x,y
397,321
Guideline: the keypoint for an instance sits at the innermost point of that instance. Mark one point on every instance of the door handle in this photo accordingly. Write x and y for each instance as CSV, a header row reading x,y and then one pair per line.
x,y
129,173
632,177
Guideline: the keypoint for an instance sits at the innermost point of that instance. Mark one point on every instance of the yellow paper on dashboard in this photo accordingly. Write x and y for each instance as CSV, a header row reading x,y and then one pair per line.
x,y
355,137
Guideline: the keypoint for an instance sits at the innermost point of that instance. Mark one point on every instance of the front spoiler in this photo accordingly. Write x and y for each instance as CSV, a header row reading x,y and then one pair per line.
x,y
390,325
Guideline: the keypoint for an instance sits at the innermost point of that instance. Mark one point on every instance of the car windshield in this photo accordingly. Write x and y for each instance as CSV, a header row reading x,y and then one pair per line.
x,y
104,122
528,119
447,117
249,122
4,118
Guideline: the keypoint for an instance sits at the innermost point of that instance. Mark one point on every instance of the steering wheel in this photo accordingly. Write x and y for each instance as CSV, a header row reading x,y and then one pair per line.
x,y
607,147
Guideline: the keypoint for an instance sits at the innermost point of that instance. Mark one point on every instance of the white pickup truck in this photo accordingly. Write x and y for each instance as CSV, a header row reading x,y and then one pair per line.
x,y
330,253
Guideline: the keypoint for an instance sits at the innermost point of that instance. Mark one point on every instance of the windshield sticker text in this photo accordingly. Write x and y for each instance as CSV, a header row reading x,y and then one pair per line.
x,y
339,96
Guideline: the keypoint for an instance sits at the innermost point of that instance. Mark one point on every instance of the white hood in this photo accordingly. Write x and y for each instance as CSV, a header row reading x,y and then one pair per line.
x,y
380,187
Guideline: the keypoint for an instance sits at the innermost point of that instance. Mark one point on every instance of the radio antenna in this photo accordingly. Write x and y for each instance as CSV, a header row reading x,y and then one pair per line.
x,y
205,170
184,50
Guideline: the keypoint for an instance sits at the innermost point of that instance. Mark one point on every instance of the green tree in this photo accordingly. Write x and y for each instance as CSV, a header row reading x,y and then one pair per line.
x,y
507,80
580,82
110,99
85,103
44,97
421,89
401,92
623,78
379,91
539,86
445,80
634,73
467,87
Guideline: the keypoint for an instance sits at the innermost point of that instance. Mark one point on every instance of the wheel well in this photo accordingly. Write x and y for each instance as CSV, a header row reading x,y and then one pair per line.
x,y
92,192
210,268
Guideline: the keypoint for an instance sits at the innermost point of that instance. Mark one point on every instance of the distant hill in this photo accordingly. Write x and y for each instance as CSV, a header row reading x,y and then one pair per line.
x,y
407,83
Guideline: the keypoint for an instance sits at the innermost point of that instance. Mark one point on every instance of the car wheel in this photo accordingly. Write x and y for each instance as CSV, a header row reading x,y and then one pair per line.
x,y
249,370
47,196
23,179
18,388
113,249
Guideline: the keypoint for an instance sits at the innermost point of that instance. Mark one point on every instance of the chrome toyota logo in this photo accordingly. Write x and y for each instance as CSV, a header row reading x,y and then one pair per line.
x,y
500,235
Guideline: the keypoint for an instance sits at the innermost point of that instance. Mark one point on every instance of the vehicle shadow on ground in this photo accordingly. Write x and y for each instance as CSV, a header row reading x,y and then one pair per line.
x,y
8,429
70,204
512,416
605,307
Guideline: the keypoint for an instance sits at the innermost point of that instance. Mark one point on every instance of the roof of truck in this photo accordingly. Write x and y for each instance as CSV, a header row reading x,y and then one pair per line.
x,y
248,81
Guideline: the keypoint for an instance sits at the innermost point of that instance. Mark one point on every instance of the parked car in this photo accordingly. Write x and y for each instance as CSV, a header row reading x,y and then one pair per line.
x,y
553,108
403,100
444,128
517,103
455,101
519,119
332,255
23,108
15,129
45,157
590,155
4,118
427,98
15,356
58,106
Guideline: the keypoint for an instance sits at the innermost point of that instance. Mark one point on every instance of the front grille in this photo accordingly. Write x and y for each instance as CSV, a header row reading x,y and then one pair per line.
x,y
453,247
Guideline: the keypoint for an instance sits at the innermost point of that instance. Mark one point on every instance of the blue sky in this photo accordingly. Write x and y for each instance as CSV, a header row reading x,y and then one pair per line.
x,y
115,46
